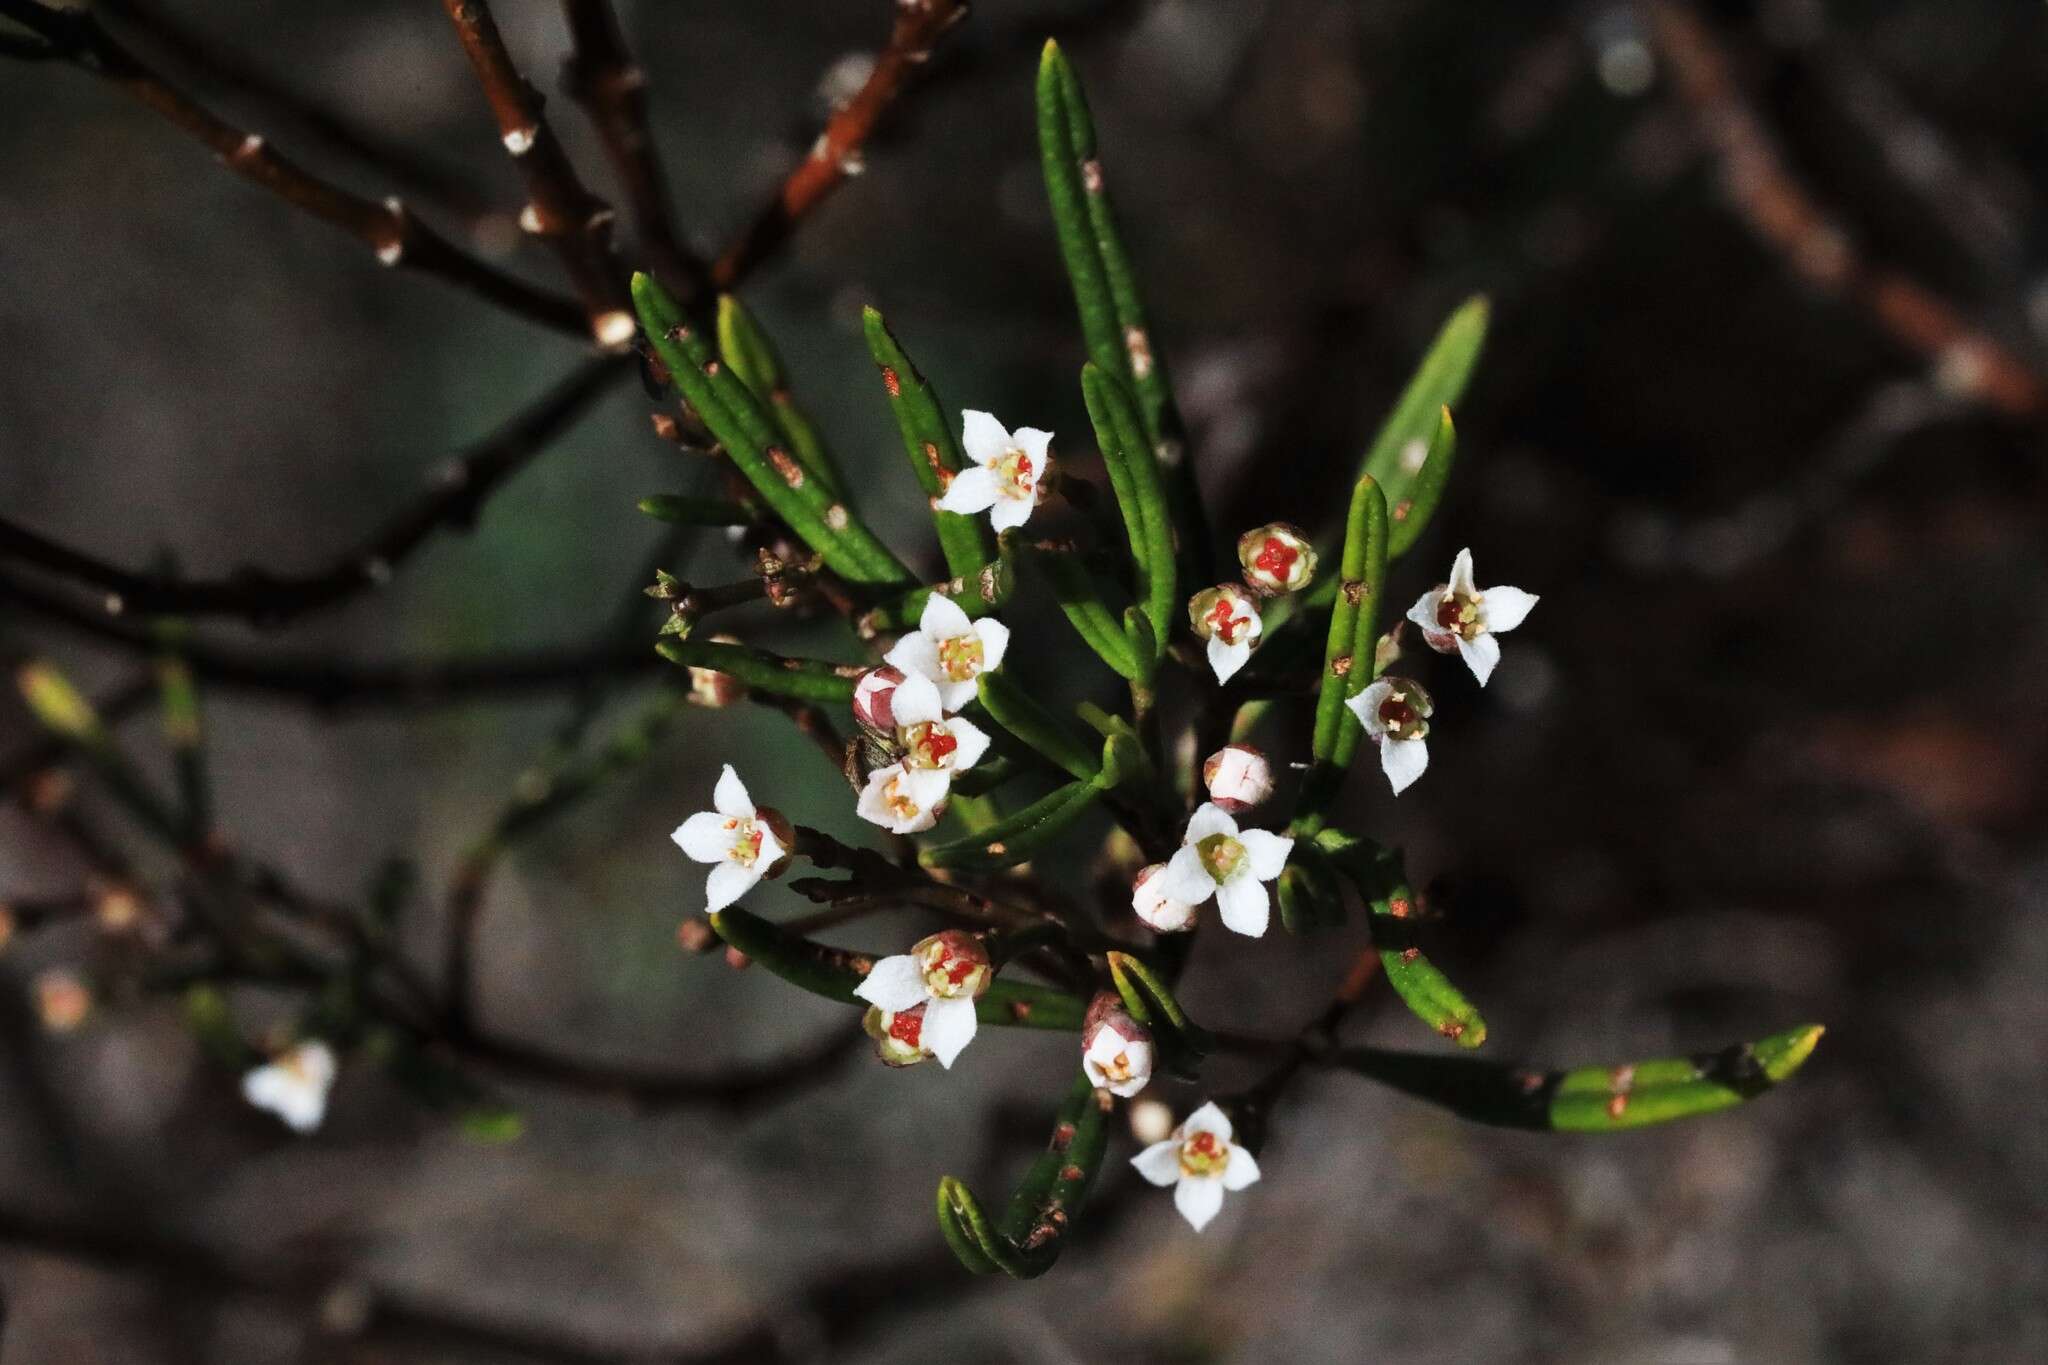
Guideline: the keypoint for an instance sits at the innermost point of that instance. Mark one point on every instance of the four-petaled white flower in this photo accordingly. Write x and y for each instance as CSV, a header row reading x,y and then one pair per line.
x,y
1227,616
735,836
1460,618
1217,859
294,1086
945,973
1009,470
1200,1161
1160,912
1395,713
951,650
902,801
1118,1056
908,796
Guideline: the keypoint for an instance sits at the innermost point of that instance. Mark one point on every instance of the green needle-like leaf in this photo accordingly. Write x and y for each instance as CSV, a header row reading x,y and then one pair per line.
x,y
1395,456
1080,595
1042,1212
806,679
1354,616
743,426
1589,1099
930,440
1140,495
681,510
751,356
834,973
969,1233
1410,515
1010,705
1019,837
1426,991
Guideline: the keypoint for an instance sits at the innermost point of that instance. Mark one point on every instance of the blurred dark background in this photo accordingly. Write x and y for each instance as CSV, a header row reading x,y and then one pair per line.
x,y
1768,752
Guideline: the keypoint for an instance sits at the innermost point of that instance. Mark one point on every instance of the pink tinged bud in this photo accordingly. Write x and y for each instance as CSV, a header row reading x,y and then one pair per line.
x,y
898,1035
1117,1055
1238,777
955,965
1276,558
874,697
1150,903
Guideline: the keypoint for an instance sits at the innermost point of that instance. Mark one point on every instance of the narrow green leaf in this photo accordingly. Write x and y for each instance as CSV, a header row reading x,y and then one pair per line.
x,y
930,441
1079,594
1141,496
1151,1001
807,679
834,973
743,426
1383,885
1347,655
680,510
1396,454
1010,705
751,356
1589,1099
1020,837
1048,1201
1410,515
962,1224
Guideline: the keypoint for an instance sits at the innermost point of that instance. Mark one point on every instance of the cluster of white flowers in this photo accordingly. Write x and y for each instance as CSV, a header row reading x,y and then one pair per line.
x,y
1459,618
930,675
1216,858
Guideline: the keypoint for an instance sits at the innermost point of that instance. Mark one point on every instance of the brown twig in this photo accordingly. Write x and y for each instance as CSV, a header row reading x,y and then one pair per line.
x,y
836,154
560,210
1760,185
602,76
396,237
460,490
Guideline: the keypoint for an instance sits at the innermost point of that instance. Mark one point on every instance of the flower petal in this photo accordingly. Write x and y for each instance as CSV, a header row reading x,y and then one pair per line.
x,y
954,696
1159,1163
1461,574
972,742
705,836
995,641
895,983
949,1026
1186,880
727,883
1366,706
915,655
1241,1170
972,490
1199,1199
1245,905
1010,513
1207,1119
983,438
1225,660
1403,760
771,851
1505,608
942,618
917,700
730,796
1269,852
1032,442
1480,656
1423,613
1209,818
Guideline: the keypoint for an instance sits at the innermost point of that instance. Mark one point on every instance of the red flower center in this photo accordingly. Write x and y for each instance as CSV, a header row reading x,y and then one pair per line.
x,y
1223,619
936,745
907,1026
1277,558
1396,713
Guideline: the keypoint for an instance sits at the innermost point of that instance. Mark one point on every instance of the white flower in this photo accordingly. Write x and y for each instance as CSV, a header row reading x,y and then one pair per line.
x,y
902,801
735,836
951,650
1276,558
1216,859
1009,469
1395,713
295,1086
1238,777
1201,1162
1118,1057
1227,617
1458,618
945,973
1159,911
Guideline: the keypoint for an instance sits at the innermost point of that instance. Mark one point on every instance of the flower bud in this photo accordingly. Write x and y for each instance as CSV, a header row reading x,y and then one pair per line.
x,y
1155,908
874,696
1151,1121
695,935
1238,777
955,965
1116,1050
1222,612
898,1034
1276,558
62,1000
